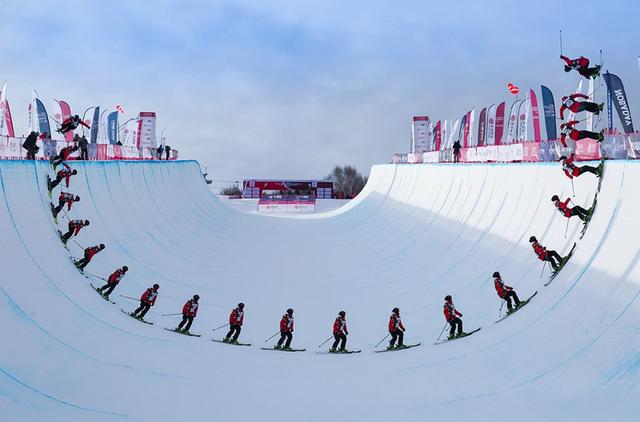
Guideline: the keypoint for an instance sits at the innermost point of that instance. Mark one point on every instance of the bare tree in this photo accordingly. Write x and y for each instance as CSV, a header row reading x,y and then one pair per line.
x,y
347,179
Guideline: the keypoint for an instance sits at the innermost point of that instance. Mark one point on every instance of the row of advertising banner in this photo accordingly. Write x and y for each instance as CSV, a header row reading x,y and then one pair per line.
x,y
615,146
495,125
11,149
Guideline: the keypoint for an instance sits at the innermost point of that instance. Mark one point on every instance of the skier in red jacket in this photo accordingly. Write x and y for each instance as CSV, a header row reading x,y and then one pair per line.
x,y
63,155
505,292
567,129
570,103
64,198
581,65
64,173
452,315
286,330
571,170
74,228
236,318
551,256
564,209
340,332
113,281
189,312
396,329
72,123
147,300
89,253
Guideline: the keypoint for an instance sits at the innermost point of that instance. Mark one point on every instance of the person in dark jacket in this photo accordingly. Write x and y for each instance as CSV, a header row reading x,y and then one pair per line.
x,y
30,145
167,151
160,150
456,151
84,148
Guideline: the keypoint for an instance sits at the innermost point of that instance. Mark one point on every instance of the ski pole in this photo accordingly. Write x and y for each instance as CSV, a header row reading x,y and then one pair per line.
x,y
179,313
325,341
445,326
217,328
566,228
561,42
501,305
277,332
544,265
103,279
382,340
573,188
129,297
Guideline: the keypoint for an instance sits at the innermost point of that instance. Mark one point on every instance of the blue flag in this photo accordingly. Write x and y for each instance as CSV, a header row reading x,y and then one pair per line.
x,y
619,97
549,108
112,127
94,125
43,118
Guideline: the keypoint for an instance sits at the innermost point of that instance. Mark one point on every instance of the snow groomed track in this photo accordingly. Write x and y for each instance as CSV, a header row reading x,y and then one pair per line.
x,y
415,234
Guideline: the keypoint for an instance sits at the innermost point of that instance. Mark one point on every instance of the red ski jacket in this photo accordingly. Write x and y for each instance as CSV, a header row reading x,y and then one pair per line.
x,y
501,288
450,311
570,170
563,208
340,326
568,130
67,197
66,152
149,296
540,250
190,308
65,173
579,63
395,323
89,253
236,317
286,323
571,104
76,225
116,276
69,120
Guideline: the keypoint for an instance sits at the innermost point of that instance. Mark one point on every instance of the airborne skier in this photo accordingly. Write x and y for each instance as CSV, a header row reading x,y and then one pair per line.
x,y
567,129
74,228
396,329
89,253
71,123
340,332
63,155
452,315
505,292
286,330
571,170
64,198
147,300
564,209
236,318
189,312
113,281
550,256
570,103
64,173
581,65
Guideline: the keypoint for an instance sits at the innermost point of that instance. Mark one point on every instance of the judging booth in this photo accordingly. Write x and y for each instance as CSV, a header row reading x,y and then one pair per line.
x,y
256,188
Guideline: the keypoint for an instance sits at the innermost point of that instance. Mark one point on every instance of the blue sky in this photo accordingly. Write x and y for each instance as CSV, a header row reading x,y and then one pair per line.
x,y
291,88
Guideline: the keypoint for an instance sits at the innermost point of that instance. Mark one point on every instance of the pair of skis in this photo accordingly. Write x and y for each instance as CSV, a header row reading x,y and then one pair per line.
x,y
517,308
562,264
457,337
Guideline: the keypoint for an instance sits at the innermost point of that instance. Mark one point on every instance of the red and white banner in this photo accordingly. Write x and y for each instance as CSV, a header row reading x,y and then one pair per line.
x,y
535,116
467,121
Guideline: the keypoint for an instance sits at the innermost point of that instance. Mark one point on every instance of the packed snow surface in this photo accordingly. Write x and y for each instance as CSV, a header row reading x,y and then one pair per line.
x,y
415,234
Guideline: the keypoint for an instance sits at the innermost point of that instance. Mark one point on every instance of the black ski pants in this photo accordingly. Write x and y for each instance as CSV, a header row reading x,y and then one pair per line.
x,y
508,296
57,160
285,335
59,207
340,338
55,182
109,289
83,263
456,156
588,169
589,72
588,106
185,319
84,153
234,330
396,335
142,310
553,258
67,235
580,212
31,153
455,322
